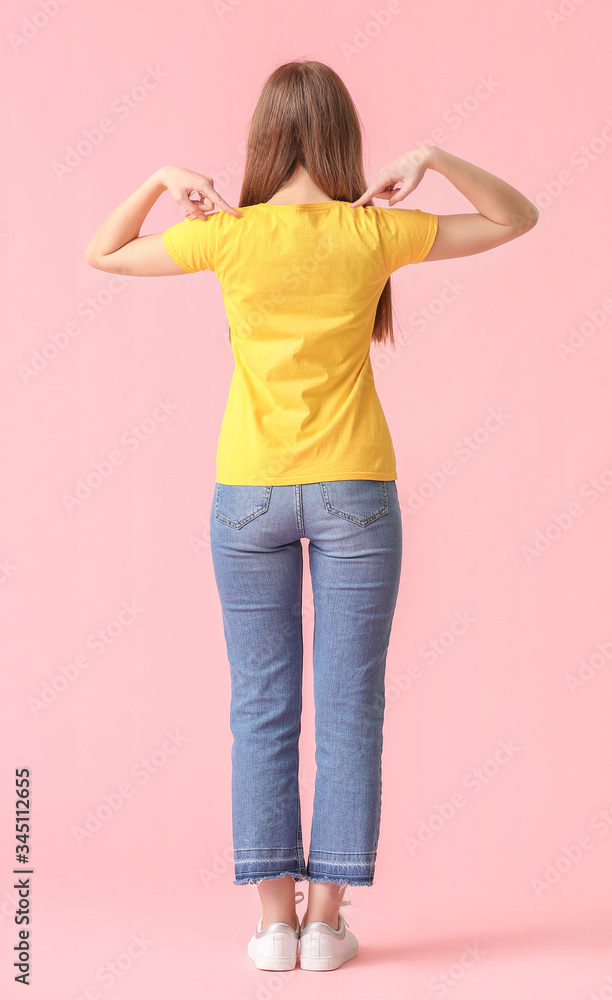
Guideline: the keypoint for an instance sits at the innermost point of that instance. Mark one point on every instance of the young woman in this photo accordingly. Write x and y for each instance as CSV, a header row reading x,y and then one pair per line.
x,y
305,452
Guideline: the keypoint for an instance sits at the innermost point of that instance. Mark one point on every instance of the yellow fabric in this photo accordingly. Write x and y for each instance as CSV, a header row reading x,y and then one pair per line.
x,y
300,285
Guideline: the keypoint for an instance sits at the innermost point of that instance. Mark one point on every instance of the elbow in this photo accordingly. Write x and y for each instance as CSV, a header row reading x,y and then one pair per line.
x,y
91,259
90,254
526,219
532,214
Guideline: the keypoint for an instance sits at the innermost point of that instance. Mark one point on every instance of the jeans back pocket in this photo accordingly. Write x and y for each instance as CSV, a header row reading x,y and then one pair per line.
x,y
237,505
359,500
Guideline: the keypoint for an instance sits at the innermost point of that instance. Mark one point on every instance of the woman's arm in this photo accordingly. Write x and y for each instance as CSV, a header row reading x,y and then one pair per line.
x,y
117,246
503,213
124,224
494,198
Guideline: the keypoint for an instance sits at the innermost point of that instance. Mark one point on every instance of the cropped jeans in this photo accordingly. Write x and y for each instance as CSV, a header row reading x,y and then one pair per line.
x,y
355,551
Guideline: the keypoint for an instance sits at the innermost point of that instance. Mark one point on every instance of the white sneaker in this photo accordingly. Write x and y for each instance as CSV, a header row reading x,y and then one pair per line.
x,y
322,948
275,947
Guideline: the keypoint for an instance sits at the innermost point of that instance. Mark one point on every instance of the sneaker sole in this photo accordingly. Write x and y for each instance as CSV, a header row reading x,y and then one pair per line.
x,y
273,964
327,964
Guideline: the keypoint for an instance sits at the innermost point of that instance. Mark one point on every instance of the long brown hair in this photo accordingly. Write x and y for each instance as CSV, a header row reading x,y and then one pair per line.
x,y
306,115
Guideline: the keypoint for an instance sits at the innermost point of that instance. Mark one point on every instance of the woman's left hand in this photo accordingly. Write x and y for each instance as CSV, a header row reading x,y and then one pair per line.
x,y
181,183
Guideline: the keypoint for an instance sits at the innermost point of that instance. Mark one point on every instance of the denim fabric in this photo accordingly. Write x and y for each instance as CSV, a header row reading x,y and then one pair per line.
x,y
355,551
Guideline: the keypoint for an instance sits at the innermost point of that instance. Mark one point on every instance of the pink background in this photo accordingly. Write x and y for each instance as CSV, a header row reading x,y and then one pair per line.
x,y
160,863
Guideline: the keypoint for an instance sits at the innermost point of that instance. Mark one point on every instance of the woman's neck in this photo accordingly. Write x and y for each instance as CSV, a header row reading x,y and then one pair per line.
x,y
300,190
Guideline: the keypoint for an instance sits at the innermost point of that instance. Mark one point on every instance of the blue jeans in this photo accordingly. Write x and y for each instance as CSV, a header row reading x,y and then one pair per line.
x,y
355,550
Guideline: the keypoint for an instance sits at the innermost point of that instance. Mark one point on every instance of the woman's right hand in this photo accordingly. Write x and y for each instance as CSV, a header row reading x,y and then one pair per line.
x,y
407,171
182,183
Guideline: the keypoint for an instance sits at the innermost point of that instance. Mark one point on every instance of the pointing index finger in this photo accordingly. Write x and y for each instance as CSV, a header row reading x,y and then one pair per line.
x,y
221,202
360,201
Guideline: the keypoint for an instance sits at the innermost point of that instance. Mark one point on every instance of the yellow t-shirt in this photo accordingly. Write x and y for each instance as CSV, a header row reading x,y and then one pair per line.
x,y
300,285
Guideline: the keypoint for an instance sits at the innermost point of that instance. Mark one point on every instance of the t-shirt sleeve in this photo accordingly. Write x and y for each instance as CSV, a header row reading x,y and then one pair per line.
x,y
192,244
407,235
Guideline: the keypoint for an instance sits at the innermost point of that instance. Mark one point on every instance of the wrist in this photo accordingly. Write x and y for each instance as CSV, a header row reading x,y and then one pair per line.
x,y
162,175
420,156
434,154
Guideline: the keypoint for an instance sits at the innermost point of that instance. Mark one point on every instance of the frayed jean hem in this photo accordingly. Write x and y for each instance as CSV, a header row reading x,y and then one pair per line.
x,y
256,879
335,880
343,880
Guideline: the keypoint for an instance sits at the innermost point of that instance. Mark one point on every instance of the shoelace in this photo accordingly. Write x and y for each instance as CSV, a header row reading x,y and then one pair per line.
x,y
347,902
343,902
